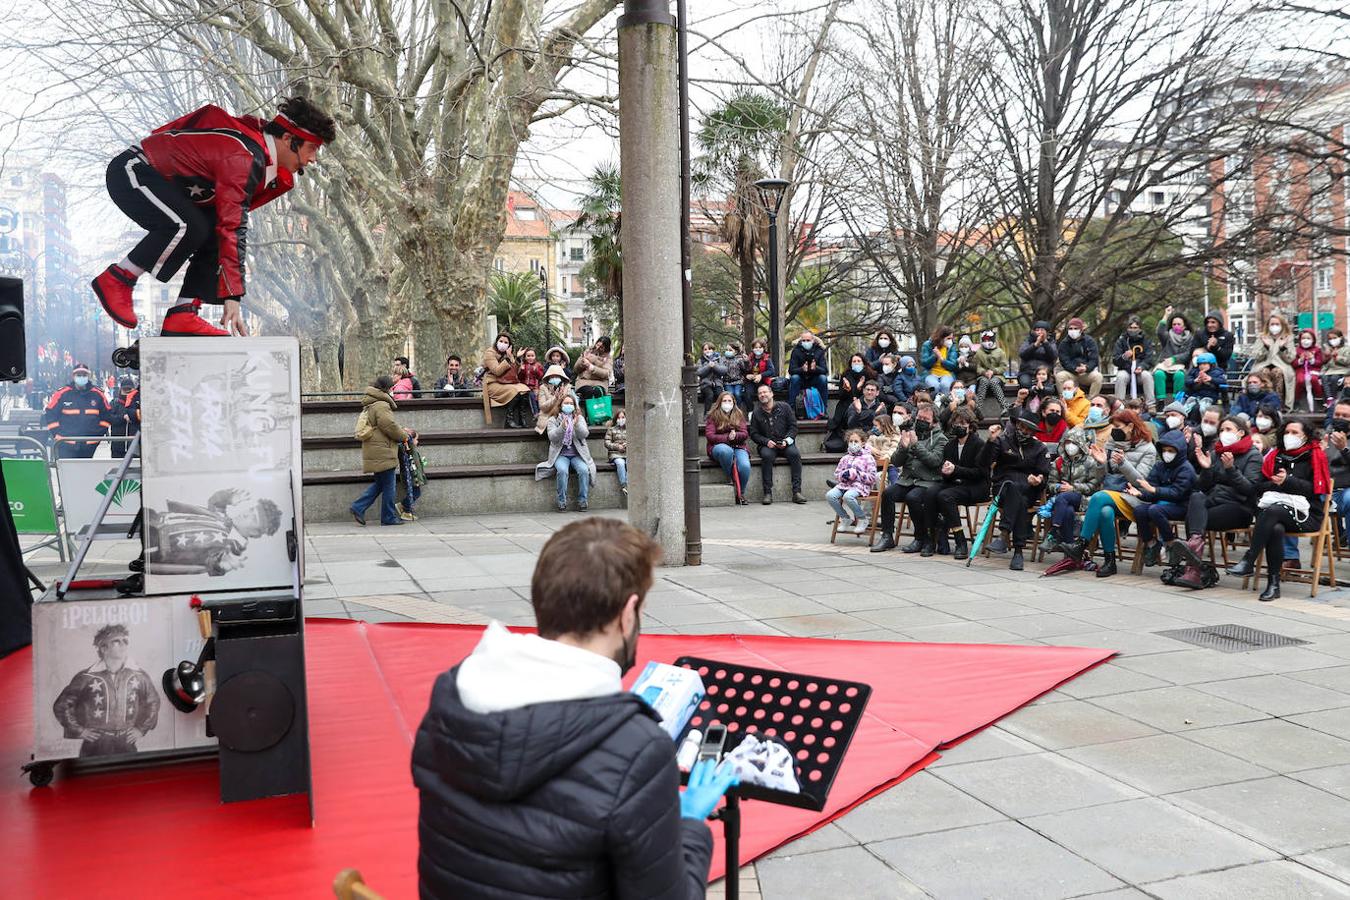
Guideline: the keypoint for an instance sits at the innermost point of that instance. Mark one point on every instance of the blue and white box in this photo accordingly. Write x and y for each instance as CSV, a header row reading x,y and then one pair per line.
x,y
673,691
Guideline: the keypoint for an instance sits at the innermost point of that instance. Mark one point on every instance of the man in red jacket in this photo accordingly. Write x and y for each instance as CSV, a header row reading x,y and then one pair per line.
x,y
191,185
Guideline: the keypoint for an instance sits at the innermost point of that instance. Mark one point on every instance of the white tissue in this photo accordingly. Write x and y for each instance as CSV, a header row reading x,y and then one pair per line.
x,y
766,763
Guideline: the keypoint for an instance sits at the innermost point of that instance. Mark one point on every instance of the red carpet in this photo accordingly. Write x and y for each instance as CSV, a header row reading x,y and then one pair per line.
x,y
120,834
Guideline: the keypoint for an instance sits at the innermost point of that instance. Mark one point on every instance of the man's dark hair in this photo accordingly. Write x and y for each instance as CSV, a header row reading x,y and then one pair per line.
x,y
453,357
604,342
383,383
306,115
585,574
403,361
966,416
108,632
269,516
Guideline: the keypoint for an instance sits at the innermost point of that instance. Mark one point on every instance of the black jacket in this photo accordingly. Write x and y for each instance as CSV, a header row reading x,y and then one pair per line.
x,y
1223,339
1235,485
1037,356
1300,481
570,799
801,355
1082,352
1013,459
1124,343
971,461
778,425
863,418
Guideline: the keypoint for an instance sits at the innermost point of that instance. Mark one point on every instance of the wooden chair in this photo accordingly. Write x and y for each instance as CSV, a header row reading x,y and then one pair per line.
x,y
348,885
1226,539
1322,550
870,534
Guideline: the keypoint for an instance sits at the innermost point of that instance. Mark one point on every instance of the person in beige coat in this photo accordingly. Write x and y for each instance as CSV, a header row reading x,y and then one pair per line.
x,y
555,385
380,435
594,370
1272,353
501,382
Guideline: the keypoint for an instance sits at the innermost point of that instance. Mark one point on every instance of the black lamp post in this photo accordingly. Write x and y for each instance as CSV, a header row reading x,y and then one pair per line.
x,y
771,191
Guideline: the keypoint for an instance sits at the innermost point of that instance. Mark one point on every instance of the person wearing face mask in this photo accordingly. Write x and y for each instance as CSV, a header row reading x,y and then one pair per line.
x,y
1272,354
1256,393
78,410
557,356
1038,353
1266,426
991,364
712,373
773,428
882,344
727,434
907,379
965,480
1075,473
918,458
555,385
1020,468
594,369
1127,457
1308,361
1335,365
1213,338
501,381
1298,467
1174,355
568,454
531,731
855,478
883,440
938,356
1205,381
1080,358
887,374
961,397
808,367
1223,499
1099,412
852,385
1173,417
759,370
965,361
1204,436
126,415
1052,424
737,364
1075,401
1164,495
1336,445
616,445
1133,358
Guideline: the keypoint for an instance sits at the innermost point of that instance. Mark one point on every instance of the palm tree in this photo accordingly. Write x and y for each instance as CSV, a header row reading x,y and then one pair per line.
x,y
514,298
738,142
603,272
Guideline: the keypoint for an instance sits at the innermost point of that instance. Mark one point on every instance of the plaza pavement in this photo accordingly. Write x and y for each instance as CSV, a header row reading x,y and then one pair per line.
x,y
1172,771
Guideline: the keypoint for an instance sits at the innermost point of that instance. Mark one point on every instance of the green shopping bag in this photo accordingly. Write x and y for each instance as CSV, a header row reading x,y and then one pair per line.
x,y
599,410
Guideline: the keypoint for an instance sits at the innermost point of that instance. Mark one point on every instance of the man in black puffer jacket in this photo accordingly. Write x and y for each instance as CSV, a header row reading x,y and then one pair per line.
x,y
539,775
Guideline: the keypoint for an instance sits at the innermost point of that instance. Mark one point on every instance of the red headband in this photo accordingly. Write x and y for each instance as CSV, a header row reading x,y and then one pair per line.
x,y
297,130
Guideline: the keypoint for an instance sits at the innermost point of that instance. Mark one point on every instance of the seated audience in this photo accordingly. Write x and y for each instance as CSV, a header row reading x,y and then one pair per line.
x,y
454,383
965,480
406,385
865,409
1295,477
1271,353
1336,445
938,357
918,457
712,373
501,381
887,375
1335,366
1133,358
852,385
758,370
773,428
555,386
1308,362
1021,466
557,356
727,434
1080,358
539,775
568,454
883,344
1076,403
1163,495
855,477
737,364
1099,410
908,381
1255,393
1174,355
531,373
616,444
808,367
965,361
1205,381
1076,472
885,437
991,363
594,370
1173,418
1266,426
1214,338
961,397
1052,425
1038,354
1224,498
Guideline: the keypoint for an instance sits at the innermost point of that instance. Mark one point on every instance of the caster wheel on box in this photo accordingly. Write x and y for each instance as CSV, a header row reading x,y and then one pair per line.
x,y
40,774
128,357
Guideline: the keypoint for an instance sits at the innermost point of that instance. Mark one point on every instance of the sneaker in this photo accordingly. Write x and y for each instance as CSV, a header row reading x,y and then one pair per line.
x,y
185,322
113,289
859,527
767,501
583,506
562,507
360,519
998,545
797,497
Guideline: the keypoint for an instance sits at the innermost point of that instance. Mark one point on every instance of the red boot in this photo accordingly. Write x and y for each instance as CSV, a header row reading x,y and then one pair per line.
x,y
113,288
183,321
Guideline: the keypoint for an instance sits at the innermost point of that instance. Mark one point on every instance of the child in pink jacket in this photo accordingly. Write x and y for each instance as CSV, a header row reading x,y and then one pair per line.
x,y
856,475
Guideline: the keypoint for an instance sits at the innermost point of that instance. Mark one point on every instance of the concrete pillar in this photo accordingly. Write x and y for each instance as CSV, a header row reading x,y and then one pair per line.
x,y
652,320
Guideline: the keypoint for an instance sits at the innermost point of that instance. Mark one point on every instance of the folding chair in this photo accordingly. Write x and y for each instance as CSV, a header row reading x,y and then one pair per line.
x,y
874,499
1322,550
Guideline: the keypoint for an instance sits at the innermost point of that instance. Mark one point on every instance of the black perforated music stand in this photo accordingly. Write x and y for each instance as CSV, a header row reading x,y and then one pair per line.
x,y
813,717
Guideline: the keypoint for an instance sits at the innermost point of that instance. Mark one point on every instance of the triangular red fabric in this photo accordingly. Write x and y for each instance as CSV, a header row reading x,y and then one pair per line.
x,y
161,831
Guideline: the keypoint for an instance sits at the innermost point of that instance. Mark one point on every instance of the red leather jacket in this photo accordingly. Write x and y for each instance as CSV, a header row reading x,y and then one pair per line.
x,y
224,162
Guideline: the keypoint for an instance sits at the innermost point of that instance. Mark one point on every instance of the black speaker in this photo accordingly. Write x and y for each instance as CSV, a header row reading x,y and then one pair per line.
x,y
13,351
259,712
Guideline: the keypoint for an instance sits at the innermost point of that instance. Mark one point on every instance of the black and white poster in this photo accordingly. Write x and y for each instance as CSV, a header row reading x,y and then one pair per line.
x,y
97,679
221,462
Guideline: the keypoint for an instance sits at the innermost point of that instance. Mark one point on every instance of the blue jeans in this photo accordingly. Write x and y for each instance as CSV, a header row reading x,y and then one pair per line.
x,y
1062,512
1100,521
621,469
383,485
737,391
728,456
564,466
838,496
411,491
1341,500
939,384
1151,517
797,382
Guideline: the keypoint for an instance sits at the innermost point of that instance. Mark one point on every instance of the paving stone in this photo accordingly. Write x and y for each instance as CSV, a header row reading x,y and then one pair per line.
x,y
991,743
1335,722
700,614
875,634
776,607
1036,784
1268,879
743,626
859,600
985,610
1072,724
1178,708
1059,602
1038,625
1147,840
1125,643
827,837
1337,678
1107,679
1192,666
959,863
368,614
831,874
1126,618
1276,744
1281,813
371,588
1334,862
919,804
963,633
1335,644
907,617
1333,779
1291,659
826,624
1164,763
324,607
1276,694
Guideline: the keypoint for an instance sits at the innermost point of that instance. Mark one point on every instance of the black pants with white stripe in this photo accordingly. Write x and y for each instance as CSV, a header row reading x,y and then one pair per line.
x,y
179,230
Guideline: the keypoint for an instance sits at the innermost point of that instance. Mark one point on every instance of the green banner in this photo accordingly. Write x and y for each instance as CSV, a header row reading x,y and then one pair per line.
x,y
1325,320
30,495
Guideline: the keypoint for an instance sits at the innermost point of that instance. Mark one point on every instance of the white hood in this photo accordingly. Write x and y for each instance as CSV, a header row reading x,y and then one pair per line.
x,y
508,671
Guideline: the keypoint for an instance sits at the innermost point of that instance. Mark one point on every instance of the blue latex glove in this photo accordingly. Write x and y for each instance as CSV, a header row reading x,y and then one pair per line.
x,y
706,787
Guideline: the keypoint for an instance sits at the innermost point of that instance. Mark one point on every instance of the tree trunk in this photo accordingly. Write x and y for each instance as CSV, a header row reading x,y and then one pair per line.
x,y
309,370
748,323
330,376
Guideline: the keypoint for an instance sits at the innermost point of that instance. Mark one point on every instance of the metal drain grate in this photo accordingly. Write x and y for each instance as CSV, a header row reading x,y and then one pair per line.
x,y
1231,638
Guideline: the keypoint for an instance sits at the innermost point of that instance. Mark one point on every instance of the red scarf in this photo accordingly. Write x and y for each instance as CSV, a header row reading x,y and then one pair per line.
x,y
1242,446
1321,472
